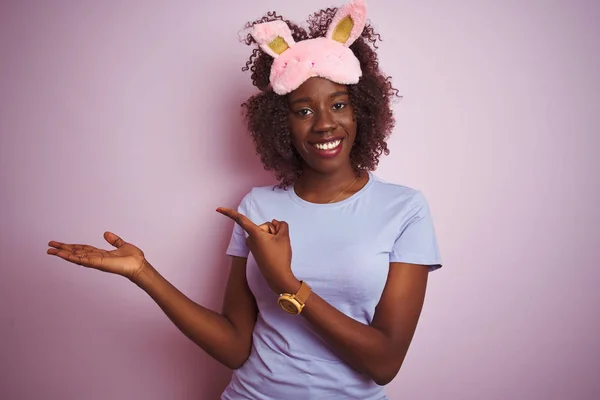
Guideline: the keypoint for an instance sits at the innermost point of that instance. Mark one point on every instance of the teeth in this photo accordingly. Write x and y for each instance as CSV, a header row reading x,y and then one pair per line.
x,y
328,146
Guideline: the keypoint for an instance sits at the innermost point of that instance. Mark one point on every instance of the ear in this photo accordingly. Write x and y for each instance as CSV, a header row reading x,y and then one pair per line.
x,y
348,23
273,37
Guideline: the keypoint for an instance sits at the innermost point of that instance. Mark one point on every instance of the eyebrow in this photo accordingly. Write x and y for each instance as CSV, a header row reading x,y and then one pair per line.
x,y
331,96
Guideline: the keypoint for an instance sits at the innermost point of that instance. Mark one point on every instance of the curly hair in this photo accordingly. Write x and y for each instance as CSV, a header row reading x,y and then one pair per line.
x,y
266,113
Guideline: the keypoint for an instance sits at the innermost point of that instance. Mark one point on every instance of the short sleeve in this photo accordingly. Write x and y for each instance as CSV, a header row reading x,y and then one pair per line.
x,y
417,242
237,244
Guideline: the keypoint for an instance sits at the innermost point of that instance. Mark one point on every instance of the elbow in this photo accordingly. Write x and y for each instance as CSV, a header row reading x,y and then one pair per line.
x,y
234,354
386,366
235,362
384,374
233,358
383,379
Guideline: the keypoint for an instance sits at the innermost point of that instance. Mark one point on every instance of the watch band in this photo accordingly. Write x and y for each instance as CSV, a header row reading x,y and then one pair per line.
x,y
303,292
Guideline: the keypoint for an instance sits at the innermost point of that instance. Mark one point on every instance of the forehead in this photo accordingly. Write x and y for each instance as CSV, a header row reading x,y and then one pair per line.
x,y
316,88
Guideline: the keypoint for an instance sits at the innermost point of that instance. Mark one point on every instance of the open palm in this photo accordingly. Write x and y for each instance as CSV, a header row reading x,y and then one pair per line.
x,y
126,259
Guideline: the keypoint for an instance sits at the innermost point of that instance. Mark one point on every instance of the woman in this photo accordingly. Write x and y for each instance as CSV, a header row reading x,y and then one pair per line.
x,y
335,320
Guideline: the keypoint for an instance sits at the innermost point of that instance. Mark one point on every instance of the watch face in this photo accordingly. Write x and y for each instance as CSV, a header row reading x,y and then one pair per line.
x,y
288,306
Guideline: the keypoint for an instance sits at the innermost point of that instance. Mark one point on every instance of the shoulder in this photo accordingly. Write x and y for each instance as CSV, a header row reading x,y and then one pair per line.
x,y
262,195
394,191
397,199
266,192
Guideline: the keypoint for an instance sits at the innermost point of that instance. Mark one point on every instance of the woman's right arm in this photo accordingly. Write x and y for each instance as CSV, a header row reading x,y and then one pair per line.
x,y
227,336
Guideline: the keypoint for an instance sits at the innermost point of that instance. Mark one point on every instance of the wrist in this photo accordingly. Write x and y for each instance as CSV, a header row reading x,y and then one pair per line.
x,y
144,275
290,285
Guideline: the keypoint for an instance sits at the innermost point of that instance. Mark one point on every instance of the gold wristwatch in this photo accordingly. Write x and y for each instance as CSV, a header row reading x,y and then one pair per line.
x,y
294,303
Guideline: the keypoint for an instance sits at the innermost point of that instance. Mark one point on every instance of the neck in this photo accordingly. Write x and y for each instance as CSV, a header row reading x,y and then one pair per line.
x,y
318,186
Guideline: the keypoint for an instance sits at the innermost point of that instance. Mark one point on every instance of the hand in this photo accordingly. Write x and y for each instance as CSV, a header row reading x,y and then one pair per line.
x,y
271,248
127,260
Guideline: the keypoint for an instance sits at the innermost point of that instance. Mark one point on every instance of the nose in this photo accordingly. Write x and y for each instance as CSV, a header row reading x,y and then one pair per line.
x,y
324,122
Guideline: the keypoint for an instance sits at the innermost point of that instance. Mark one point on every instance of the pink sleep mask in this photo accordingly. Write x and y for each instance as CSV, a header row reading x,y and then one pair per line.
x,y
327,57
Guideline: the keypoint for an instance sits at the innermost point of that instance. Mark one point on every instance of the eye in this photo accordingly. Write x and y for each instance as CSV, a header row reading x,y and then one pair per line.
x,y
303,112
339,106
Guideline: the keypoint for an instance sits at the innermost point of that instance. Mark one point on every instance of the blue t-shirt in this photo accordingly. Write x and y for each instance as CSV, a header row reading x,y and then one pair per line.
x,y
343,251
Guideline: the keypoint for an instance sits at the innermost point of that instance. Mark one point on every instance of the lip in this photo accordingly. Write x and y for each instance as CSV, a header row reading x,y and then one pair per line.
x,y
330,153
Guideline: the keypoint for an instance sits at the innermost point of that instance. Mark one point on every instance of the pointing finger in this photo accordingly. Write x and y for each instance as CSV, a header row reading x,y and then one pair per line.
x,y
240,219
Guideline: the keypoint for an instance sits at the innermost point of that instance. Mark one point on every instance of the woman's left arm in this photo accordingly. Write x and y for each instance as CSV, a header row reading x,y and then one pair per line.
x,y
376,350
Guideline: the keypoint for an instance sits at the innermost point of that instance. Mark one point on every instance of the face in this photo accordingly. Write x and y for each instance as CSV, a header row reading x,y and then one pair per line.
x,y
322,124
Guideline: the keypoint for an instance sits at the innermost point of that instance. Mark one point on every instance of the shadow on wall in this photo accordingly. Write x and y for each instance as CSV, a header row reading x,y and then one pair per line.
x,y
191,373
242,160
141,350
76,333
199,374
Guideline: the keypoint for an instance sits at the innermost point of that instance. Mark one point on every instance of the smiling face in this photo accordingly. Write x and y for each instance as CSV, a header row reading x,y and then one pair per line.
x,y
322,125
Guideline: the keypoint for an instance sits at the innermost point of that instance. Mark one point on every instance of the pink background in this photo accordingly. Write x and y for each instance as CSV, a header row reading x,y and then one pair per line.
x,y
124,116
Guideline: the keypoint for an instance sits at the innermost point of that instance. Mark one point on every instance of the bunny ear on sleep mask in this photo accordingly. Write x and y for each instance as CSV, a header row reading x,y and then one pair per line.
x,y
327,57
